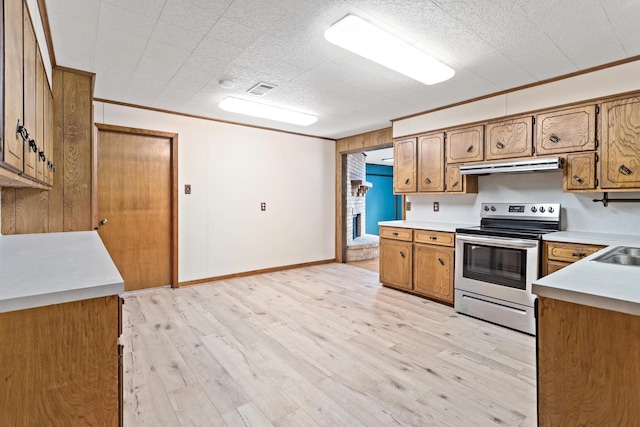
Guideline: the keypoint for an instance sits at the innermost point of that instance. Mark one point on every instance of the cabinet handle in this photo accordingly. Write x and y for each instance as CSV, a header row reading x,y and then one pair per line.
x,y
499,145
402,254
433,238
427,180
455,184
42,156
624,170
554,138
395,233
406,181
579,254
577,178
440,261
33,146
22,131
470,149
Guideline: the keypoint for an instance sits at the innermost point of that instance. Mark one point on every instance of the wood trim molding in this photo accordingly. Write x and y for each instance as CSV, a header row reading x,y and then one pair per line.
x,y
173,138
527,86
194,116
256,272
75,71
44,17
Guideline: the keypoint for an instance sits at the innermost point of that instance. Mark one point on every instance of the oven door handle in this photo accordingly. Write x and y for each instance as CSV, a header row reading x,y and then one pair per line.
x,y
500,241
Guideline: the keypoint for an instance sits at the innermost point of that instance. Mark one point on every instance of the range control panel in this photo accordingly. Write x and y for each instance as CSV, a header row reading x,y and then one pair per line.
x,y
537,211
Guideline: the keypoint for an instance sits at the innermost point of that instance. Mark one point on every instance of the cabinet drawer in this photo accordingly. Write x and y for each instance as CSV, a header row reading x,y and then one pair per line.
x,y
405,234
570,252
434,237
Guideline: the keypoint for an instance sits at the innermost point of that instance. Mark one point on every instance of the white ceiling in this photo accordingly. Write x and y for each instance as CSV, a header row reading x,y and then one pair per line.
x,y
171,54
374,157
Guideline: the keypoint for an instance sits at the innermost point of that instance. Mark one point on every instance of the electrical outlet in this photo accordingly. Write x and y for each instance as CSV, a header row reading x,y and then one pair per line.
x,y
187,189
436,206
407,206
263,206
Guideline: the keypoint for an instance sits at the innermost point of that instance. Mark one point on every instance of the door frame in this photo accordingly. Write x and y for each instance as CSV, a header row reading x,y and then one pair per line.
x,y
173,141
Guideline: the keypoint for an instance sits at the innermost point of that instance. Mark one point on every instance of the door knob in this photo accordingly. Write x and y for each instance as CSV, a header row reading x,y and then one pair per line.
x,y
104,221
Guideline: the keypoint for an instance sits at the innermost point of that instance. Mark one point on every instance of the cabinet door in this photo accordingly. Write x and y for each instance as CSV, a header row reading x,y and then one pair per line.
x,y
565,131
431,162
510,138
460,184
404,166
580,172
29,95
621,144
12,151
396,263
433,272
48,134
40,104
465,145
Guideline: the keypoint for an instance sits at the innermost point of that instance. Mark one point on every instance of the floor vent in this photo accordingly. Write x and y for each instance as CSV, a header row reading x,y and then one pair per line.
x,y
260,89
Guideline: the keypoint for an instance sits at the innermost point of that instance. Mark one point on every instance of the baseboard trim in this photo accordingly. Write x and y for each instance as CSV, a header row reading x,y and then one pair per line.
x,y
255,272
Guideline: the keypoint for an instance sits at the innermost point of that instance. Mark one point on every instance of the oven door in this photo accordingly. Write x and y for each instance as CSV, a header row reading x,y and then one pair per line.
x,y
498,267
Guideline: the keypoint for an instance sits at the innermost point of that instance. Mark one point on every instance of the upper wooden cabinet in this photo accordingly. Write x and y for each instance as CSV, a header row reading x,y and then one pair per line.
x,y
404,167
465,145
461,184
565,131
621,144
580,172
29,97
12,144
509,138
431,162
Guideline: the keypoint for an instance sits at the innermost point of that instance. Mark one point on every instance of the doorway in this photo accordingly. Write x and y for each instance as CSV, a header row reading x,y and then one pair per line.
x,y
136,203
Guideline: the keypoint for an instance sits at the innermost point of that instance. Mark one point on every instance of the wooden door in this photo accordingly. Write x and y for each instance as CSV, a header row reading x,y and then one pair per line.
x,y
29,91
621,144
433,272
431,162
565,131
396,263
509,138
136,204
580,173
404,168
465,145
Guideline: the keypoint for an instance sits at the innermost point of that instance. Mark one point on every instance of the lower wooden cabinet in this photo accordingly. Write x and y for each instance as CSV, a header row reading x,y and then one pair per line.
x,y
558,255
60,364
588,365
433,271
418,261
396,263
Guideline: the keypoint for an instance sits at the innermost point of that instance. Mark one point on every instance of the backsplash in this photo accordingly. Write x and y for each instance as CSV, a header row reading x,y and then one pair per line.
x,y
579,213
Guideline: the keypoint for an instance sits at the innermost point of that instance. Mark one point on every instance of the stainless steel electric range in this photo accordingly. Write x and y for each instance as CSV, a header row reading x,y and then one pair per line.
x,y
497,261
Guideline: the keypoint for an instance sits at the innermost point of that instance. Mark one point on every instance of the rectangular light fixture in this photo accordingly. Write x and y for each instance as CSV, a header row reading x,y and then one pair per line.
x,y
255,109
364,39
387,159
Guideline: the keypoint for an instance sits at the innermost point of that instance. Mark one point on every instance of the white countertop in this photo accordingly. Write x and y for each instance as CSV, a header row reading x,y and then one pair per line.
x,y
53,268
609,286
424,225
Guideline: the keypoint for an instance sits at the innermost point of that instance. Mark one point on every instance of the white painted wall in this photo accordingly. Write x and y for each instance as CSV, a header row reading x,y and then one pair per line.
x,y
232,169
579,213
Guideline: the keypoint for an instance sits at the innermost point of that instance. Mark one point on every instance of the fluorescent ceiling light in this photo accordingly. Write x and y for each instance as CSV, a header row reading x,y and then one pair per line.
x,y
362,38
251,108
387,159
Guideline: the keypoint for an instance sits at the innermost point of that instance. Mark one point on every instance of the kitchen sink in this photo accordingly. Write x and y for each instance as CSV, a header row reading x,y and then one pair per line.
x,y
622,255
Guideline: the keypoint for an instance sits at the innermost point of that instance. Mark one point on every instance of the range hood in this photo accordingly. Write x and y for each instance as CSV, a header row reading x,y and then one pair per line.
x,y
527,165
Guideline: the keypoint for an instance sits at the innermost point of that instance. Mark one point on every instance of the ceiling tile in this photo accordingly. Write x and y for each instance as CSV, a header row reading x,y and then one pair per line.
x,y
183,14
553,15
259,14
124,21
601,55
84,10
234,33
68,25
151,8
172,35
499,70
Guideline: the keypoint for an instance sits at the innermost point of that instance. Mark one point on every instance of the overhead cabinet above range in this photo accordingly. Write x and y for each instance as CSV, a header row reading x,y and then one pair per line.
x,y
509,138
566,130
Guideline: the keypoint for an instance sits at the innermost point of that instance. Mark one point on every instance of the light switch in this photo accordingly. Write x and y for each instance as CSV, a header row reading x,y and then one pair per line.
x,y
407,206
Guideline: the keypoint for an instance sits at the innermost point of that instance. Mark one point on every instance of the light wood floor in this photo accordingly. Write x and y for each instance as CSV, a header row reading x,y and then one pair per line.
x,y
318,346
370,264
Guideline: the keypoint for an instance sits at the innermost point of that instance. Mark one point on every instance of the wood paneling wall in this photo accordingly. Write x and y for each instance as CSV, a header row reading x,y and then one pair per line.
x,y
354,144
67,206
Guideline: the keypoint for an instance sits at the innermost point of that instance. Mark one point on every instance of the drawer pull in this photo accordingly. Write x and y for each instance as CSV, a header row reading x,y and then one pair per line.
x,y
455,184
33,145
433,238
427,180
22,131
406,181
402,254
577,178
395,233
441,261
554,138
579,254
42,156
499,145
625,170
470,149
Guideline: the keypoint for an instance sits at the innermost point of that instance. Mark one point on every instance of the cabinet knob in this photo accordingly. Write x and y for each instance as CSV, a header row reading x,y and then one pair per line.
x,y
104,221
22,131
470,149
554,138
33,146
579,254
440,261
499,145
42,156
427,180
433,238
455,184
577,178
402,254
406,181
395,233
625,170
